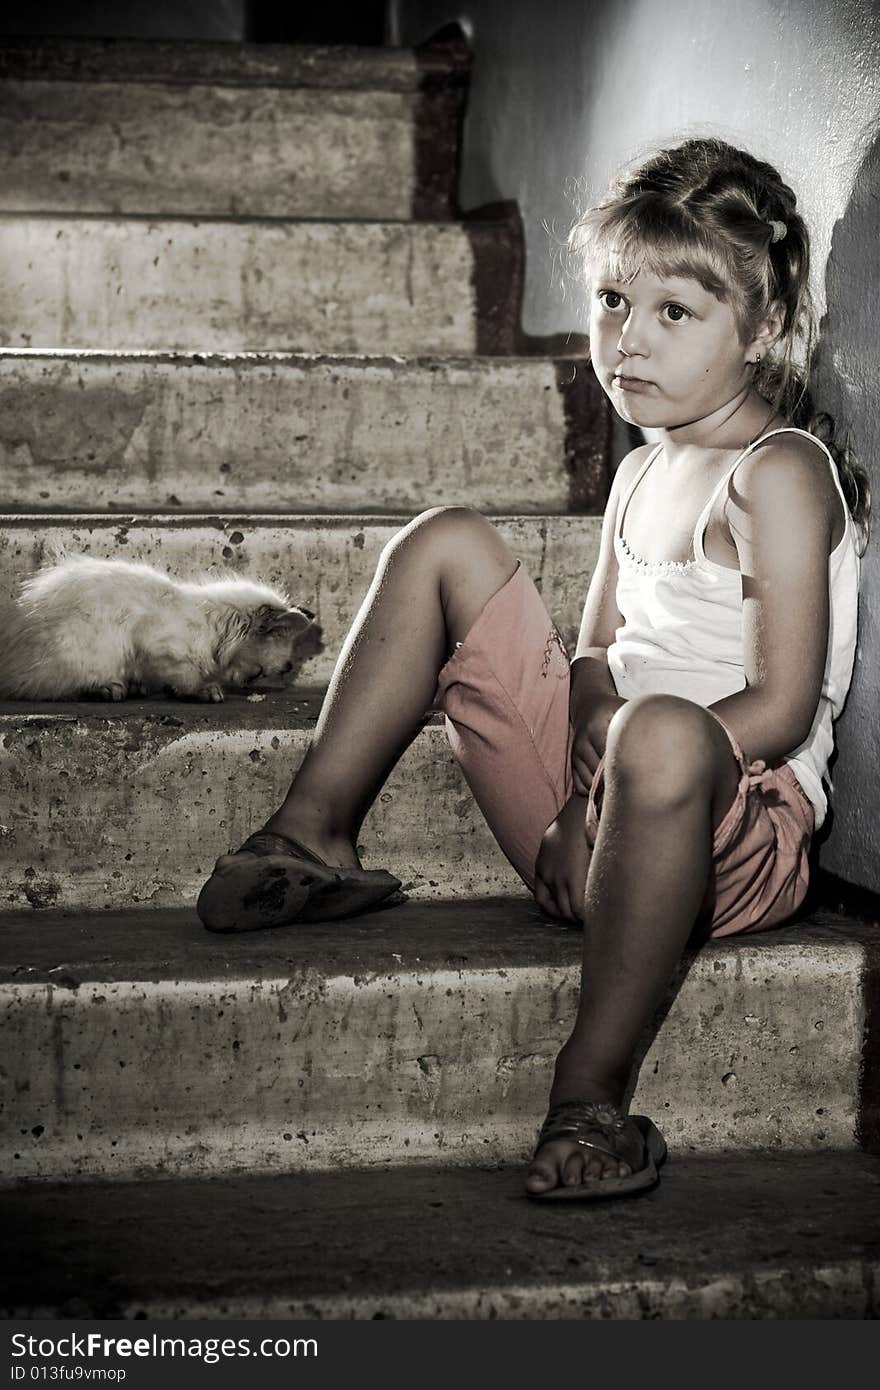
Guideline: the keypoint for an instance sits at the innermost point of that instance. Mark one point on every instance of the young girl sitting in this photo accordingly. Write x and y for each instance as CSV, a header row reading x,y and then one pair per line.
x,y
668,781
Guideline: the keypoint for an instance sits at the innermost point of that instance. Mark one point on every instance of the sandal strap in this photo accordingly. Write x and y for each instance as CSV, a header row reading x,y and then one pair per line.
x,y
600,1148
585,1122
266,842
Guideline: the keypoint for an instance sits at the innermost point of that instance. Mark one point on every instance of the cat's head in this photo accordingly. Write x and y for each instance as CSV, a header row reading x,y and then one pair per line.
x,y
267,644
263,641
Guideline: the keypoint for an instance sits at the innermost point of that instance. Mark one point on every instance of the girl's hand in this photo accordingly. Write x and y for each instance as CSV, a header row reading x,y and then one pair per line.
x,y
562,863
590,736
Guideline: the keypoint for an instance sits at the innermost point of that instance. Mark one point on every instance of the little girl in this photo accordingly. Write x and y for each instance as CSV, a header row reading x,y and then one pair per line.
x,y
670,779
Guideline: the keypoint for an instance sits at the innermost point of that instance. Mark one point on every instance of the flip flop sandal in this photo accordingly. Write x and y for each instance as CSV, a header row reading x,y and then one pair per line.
x,y
287,883
602,1127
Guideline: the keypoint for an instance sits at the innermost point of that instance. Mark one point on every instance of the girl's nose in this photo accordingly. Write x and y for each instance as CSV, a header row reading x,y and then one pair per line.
x,y
630,341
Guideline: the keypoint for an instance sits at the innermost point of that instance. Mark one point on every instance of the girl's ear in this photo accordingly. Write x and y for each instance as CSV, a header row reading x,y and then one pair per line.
x,y
769,332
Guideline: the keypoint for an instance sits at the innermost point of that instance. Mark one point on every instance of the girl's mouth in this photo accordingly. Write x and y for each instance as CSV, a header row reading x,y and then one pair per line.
x,y
631,383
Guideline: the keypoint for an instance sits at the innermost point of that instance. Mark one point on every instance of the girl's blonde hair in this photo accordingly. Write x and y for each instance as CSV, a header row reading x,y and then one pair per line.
x,y
713,213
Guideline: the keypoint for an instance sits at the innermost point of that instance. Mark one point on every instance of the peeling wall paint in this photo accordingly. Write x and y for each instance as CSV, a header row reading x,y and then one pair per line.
x,y
563,95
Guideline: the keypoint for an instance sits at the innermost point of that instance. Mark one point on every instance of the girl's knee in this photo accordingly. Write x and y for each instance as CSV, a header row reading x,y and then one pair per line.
x,y
662,748
453,525
441,532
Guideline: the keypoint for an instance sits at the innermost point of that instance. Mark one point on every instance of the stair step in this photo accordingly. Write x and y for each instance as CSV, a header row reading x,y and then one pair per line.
x,y
293,133
227,286
324,562
289,432
765,1235
258,152
205,62
139,1044
89,796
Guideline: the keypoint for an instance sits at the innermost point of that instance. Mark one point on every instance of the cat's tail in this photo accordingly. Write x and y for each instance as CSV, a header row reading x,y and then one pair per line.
x,y
26,657
14,659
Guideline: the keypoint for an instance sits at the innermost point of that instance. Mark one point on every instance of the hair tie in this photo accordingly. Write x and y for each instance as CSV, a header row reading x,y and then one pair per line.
x,y
777,230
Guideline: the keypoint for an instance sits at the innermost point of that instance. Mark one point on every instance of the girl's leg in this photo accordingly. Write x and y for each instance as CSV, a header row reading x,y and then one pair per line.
x,y
670,777
433,580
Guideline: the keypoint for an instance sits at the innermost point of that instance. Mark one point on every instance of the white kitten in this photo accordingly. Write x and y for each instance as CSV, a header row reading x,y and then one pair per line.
x,y
112,628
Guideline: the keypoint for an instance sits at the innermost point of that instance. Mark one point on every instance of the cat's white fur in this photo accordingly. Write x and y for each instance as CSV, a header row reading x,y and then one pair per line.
x,y
112,628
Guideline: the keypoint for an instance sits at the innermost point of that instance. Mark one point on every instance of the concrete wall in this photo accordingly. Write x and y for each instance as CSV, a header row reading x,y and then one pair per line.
x,y
564,93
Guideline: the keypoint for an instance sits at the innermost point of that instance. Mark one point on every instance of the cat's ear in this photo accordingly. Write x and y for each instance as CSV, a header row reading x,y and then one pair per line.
x,y
290,621
295,621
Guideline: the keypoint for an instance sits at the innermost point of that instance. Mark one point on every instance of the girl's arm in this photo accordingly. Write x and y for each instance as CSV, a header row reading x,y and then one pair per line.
x,y
564,856
781,512
592,691
601,617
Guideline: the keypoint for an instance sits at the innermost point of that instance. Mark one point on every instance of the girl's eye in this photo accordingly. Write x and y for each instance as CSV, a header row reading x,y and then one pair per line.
x,y
677,312
610,299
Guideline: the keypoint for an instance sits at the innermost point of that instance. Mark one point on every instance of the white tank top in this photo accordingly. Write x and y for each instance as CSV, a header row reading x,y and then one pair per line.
x,y
682,628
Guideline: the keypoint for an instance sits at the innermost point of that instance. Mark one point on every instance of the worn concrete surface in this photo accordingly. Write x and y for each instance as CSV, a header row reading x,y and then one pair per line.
x,y
727,1236
282,432
225,286
325,562
206,63
88,790
295,153
141,1044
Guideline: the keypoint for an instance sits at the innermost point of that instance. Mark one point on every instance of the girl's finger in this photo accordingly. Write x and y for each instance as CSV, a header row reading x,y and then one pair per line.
x,y
543,898
586,761
576,901
560,898
592,758
578,782
564,901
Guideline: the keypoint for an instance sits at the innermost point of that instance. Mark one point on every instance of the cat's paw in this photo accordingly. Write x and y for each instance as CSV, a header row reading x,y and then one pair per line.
x,y
114,690
210,694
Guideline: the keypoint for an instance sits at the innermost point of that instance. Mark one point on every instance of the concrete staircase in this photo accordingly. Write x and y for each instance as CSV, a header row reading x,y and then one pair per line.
x,y
265,352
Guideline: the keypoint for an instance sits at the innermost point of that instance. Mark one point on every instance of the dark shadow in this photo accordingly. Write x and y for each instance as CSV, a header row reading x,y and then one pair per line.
x,y
444,64
845,375
315,21
129,19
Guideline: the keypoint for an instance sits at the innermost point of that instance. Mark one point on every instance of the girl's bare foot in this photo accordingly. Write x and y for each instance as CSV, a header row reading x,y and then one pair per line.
x,y
563,1163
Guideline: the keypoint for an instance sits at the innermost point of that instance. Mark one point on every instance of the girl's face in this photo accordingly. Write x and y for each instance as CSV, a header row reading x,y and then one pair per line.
x,y
665,350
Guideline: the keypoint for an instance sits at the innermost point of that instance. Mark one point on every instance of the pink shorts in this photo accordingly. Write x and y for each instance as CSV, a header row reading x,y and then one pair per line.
x,y
504,693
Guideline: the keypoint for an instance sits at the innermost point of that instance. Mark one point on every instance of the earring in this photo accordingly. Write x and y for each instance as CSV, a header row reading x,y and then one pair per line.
x,y
757,358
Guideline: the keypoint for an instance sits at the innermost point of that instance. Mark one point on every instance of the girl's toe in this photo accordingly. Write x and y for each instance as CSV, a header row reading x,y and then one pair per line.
x,y
547,1169
540,1178
592,1168
573,1170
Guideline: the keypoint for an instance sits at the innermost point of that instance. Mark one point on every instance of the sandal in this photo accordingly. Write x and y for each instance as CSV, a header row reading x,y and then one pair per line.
x,y
287,883
604,1128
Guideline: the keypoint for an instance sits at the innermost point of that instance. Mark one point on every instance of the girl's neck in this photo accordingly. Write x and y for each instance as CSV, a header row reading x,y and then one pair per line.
x,y
734,425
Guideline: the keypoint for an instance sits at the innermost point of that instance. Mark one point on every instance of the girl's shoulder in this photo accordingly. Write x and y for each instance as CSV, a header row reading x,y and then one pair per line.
x,y
791,458
629,466
784,441
788,471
